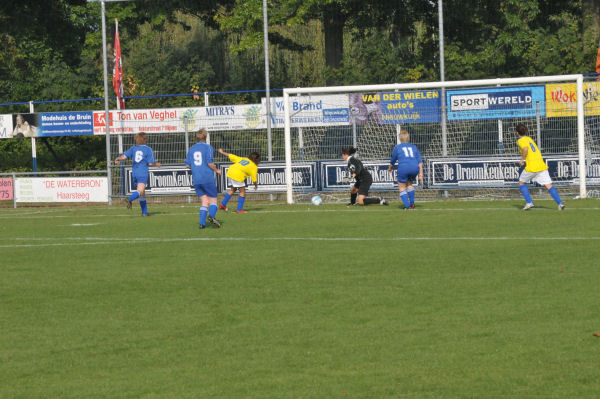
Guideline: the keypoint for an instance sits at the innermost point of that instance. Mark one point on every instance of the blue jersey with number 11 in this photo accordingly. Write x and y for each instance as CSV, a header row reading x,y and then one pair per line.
x,y
198,158
406,154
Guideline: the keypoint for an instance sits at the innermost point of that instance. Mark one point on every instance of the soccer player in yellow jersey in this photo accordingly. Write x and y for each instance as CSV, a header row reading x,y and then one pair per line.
x,y
237,174
535,168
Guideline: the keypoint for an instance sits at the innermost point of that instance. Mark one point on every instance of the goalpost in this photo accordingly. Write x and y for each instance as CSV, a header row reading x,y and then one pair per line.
x,y
474,150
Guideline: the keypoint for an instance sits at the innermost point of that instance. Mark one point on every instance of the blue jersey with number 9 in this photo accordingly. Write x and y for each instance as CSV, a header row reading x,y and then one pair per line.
x,y
198,158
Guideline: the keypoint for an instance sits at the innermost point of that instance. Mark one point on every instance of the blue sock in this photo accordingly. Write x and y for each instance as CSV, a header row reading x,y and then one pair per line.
x,y
226,199
241,203
404,198
212,210
144,206
525,191
411,195
554,193
203,213
135,195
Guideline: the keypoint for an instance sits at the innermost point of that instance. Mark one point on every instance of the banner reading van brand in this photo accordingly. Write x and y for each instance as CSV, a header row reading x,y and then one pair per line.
x,y
562,99
495,103
305,111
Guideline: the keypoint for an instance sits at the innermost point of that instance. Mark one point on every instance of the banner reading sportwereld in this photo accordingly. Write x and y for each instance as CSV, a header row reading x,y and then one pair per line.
x,y
167,120
495,103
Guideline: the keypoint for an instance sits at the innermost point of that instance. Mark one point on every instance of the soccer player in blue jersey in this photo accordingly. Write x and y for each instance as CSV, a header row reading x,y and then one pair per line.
x,y
410,167
142,157
200,160
535,168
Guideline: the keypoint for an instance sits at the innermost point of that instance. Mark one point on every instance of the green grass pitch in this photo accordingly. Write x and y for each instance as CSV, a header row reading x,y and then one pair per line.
x,y
452,300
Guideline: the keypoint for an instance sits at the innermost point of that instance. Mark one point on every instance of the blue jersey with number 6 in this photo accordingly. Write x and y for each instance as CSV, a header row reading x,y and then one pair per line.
x,y
141,156
198,158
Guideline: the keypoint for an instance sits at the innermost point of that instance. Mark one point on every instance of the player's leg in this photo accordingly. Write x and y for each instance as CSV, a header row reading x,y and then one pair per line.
x,y
228,195
544,178
404,194
525,178
135,195
353,194
203,210
410,190
141,188
241,200
363,192
211,190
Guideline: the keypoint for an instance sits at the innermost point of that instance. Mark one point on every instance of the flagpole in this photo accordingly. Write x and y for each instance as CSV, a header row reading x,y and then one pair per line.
x,y
119,99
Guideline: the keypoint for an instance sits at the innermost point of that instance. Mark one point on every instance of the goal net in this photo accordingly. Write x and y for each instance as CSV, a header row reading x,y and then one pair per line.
x,y
464,130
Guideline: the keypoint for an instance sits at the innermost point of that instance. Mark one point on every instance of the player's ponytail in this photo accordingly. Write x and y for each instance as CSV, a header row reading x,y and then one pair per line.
x,y
348,150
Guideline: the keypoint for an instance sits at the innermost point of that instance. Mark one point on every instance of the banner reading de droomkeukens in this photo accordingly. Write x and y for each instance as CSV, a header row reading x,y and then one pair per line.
x,y
496,102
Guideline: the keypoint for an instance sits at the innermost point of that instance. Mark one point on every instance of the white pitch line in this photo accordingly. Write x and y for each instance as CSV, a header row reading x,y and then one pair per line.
x,y
143,240
134,215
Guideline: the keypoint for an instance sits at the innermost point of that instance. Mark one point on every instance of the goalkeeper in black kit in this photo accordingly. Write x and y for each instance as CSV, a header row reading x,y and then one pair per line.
x,y
360,189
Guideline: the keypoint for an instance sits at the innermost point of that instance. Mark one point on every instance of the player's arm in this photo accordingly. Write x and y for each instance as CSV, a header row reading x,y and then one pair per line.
x,y
254,177
223,152
120,158
420,177
393,161
214,168
157,164
524,152
357,169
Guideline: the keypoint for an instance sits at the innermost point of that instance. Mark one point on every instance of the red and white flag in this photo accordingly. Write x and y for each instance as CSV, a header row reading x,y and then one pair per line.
x,y
118,70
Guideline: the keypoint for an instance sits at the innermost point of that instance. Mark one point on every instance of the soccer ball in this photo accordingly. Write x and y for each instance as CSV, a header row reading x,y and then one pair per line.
x,y
316,200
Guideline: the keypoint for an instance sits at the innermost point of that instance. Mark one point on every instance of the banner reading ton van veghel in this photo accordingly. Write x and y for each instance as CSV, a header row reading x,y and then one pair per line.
x,y
561,99
167,120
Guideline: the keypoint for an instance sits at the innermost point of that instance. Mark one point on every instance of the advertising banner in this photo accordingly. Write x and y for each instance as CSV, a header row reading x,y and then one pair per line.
x,y
502,172
167,180
271,177
305,111
495,103
561,99
61,189
65,124
167,120
6,126
336,177
6,189
410,107
25,125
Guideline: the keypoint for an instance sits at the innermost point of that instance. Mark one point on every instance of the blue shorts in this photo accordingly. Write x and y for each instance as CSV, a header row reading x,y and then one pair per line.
x,y
139,179
209,189
407,172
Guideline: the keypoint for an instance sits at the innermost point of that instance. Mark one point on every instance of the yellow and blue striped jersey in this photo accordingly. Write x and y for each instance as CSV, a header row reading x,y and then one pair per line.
x,y
241,169
533,161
